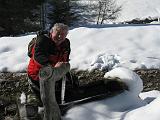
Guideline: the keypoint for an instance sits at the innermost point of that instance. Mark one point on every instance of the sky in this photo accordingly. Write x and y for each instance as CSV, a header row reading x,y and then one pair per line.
x,y
119,49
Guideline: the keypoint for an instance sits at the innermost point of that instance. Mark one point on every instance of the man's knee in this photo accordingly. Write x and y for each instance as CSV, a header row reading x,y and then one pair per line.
x,y
46,72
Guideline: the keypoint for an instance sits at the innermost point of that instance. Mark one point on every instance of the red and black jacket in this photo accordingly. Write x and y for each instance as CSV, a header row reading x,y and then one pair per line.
x,y
46,52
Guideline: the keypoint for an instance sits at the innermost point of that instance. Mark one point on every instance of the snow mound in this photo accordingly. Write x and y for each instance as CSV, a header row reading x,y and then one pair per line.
x,y
105,62
151,112
130,78
149,96
114,108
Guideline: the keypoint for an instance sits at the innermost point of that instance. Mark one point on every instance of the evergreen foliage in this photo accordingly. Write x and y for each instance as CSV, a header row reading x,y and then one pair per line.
x,y
61,12
19,16
22,16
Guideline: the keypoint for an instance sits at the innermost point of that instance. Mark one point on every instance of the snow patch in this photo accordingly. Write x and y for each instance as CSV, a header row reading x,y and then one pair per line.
x,y
105,62
130,78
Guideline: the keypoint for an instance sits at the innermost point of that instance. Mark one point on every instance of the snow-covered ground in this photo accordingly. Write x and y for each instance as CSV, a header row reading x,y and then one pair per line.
x,y
132,9
104,47
119,49
109,47
129,105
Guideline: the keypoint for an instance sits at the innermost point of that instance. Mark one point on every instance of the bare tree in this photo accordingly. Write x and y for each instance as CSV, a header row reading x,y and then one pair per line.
x,y
107,10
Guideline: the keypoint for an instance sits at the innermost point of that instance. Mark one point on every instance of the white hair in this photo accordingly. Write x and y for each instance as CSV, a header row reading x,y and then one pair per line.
x,y
58,27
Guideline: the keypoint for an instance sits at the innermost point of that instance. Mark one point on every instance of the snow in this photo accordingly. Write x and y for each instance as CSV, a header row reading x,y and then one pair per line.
x,y
13,53
109,47
149,96
105,62
104,47
148,112
114,108
131,79
118,49
128,105
132,9
23,98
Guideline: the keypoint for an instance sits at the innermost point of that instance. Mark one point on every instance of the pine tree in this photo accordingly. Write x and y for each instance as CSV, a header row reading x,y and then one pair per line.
x,y
60,12
16,16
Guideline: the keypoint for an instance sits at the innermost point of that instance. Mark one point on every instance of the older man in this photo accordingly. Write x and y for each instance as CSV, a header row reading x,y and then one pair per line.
x,y
49,63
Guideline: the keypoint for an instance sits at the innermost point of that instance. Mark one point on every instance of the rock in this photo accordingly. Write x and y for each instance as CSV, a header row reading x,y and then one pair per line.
x,y
150,77
11,109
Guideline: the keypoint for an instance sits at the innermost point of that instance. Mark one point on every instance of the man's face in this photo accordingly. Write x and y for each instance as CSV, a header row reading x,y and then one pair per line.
x,y
59,36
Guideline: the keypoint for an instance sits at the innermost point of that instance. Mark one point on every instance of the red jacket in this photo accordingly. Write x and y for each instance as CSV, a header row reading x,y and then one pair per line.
x,y
46,52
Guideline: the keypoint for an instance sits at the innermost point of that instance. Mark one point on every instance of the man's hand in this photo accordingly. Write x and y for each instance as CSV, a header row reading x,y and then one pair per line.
x,y
60,69
59,64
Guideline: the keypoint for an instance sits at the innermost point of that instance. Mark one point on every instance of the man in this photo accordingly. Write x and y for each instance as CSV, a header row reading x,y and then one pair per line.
x,y
49,63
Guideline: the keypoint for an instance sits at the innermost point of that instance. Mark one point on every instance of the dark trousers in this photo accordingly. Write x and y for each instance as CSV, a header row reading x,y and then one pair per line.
x,y
35,88
48,77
